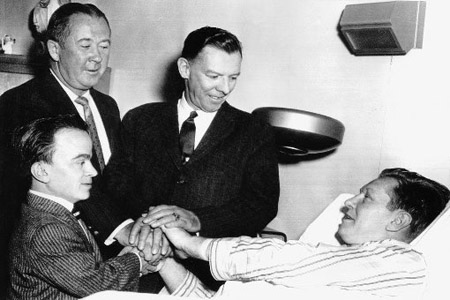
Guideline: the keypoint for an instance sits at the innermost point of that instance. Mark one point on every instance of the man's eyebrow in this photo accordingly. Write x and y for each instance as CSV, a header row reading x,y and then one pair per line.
x,y
85,40
83,155
218,73
91,40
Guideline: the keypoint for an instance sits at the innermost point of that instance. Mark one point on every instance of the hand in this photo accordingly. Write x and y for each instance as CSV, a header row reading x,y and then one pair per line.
x,y
147,266
172,216
185,244
151,242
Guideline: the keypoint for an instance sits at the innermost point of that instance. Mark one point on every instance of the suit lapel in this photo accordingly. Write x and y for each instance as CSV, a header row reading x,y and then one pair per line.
x,y
170,133
60,212
59,102
221,127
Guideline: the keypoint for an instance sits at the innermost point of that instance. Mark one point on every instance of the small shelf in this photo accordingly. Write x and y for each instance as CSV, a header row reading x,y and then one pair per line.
x,y
23,64
19,64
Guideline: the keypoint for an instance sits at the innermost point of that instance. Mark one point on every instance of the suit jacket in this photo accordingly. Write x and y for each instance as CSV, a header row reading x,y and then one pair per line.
x,y
51,257
230,182
44,97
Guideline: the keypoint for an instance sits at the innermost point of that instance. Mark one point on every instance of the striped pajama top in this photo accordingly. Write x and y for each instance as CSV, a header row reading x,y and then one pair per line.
x,y
387,268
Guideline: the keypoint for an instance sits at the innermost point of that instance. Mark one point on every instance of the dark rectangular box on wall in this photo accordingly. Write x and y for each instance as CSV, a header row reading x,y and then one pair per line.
x,y
383,28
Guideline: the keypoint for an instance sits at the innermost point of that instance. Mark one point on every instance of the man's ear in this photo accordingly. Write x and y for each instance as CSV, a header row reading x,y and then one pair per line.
x,y
39,171
53,49
183,67
401,221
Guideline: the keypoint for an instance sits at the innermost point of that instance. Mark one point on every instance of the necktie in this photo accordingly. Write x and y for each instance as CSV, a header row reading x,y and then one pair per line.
x,y
92,130
187,137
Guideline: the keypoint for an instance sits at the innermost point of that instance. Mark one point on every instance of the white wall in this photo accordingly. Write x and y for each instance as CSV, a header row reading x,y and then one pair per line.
x,y
394,107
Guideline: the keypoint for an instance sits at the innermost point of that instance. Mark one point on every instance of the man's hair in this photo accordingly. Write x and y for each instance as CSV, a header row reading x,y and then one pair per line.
x,y
35,141
59,25
423,198
210,36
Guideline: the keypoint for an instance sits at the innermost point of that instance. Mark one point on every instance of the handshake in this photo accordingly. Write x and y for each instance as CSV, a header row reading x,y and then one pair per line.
x,y
164,231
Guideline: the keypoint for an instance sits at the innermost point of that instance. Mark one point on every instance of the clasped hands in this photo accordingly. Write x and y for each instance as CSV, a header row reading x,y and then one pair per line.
x,y
146,237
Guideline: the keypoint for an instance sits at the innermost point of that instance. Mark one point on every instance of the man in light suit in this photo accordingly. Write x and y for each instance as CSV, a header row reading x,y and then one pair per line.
x,y
52,254
78,58
228,185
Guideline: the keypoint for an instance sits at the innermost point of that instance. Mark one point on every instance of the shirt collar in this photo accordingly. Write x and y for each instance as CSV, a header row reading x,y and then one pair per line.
x,y
184,110
61,201
68,91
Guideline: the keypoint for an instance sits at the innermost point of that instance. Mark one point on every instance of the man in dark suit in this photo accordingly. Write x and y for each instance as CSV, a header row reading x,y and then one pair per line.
x,y
52,254
222,182
78,57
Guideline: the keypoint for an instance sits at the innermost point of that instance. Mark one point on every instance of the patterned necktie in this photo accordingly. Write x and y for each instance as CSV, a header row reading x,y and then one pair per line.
x,y
187,137
92,131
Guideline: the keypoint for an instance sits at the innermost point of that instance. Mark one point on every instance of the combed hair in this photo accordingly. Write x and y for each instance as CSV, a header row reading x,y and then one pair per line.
x,y
424,199
35,141
210,36
59,25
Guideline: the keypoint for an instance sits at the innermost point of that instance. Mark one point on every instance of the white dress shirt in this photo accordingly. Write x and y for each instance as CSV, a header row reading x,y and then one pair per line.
x,y
202,121
104,142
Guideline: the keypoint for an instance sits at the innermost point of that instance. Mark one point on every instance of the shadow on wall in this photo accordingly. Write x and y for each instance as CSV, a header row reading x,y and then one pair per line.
x,y
172,84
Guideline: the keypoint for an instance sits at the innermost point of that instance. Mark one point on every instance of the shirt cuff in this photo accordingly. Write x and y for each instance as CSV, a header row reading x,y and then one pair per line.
x,y
140,263
188,285
205,248
111,238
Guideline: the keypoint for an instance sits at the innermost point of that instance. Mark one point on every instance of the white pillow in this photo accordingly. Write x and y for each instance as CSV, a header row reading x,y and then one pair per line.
x,y
325,226
434,243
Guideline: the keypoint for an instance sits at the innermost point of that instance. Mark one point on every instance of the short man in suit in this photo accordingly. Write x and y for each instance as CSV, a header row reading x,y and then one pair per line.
x,y
199,163
52,254
78,43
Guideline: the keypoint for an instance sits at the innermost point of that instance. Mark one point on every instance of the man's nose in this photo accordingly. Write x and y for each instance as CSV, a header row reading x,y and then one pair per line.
x,y
90,170
224,86
95,55
350,203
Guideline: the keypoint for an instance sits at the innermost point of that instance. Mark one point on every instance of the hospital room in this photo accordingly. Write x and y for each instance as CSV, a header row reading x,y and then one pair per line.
x,y
342,107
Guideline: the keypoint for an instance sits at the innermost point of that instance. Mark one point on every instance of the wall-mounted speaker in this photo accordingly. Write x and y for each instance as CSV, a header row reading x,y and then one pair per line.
x,y
383,28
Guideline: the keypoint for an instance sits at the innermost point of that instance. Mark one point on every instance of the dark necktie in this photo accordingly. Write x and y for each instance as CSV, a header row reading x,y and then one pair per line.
x,y
92,131
187,137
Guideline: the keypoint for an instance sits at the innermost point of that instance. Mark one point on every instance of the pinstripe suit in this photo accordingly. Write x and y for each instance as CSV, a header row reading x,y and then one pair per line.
x,y
52,257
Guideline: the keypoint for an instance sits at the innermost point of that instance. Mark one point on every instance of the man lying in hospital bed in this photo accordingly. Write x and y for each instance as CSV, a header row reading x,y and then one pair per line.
x,y
384,227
